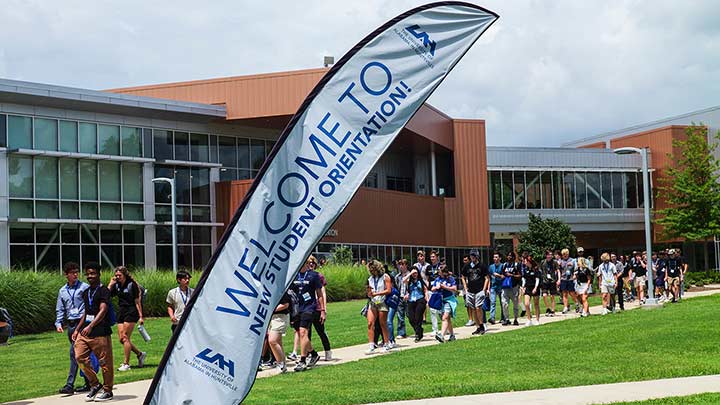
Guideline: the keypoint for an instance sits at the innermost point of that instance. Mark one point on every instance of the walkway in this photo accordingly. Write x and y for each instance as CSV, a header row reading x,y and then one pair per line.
x,y
134,393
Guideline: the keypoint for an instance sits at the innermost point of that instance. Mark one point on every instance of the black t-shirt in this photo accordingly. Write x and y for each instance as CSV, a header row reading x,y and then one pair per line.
x,y
305,285
475,276
512,269
582,275
431,272
638,268
92,298
674,267
530,275
549,271
126,294
285,299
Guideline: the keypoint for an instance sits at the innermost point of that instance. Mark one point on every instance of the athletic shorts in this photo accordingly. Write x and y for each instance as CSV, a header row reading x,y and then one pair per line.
x,y
567,285
673,281
529,291
660,283
279,323
130,315
474,300
607,289
581,287
303,320
640,281
549,288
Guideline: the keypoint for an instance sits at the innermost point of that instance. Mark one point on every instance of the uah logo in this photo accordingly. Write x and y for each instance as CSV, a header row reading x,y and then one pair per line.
x,y
422,35
217,359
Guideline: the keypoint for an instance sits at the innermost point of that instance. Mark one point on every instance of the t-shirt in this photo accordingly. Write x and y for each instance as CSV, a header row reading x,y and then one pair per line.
x,y
398,282
583,274
623,269
448,282
285,299
431,272
92,297
607,271
549,271
530,277
567,268
421,268
126,294
674,267
475,274
496,282
513,269
416,290
637,267
660,269
305,286
177,299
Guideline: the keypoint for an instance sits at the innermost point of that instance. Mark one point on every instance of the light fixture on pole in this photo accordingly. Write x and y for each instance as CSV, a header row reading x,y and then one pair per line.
x,y
651,300
174,218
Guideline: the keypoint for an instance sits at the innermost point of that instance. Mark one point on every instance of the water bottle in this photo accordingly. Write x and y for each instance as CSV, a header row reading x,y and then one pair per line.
x,y
143,333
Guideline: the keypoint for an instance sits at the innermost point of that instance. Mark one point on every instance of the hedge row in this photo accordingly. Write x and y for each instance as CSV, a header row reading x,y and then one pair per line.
x,y
30,297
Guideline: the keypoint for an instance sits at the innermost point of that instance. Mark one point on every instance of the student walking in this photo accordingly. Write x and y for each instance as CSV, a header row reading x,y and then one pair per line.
x,y
68,311
624,275
465,262
511,289
607,274
567,284
279,323
415,297
549,281
674,274
128,292
379,286
583,277
401,309
477,283
531,286
93,336
497,274
447,286
178,297
431,273
308,288
318,320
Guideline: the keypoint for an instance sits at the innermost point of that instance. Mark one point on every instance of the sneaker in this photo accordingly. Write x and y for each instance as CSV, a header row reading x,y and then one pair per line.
x,y
452,338
124,367
604,311
282,369
516,323
506,322
470,323
552,313
104,396
328,355
547,311
537,322
84,388
439,338
301,366
141,359
267,364
577,308
313,359
492,322
67,390
292,356
386,349
418,338
93,392
371,349
565,310
522,314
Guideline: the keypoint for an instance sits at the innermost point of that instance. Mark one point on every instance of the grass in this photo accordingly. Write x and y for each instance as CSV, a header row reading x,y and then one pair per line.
x,y
676,341
698,399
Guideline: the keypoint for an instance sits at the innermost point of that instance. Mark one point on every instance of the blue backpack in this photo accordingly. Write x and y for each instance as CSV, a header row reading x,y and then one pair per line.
x,y
392,300
436,301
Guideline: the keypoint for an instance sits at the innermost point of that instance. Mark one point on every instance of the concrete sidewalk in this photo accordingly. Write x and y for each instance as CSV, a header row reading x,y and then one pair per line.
x,y
134,393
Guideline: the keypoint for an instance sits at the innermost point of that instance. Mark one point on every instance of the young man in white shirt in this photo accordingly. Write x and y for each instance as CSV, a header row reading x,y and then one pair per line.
x,y
178,297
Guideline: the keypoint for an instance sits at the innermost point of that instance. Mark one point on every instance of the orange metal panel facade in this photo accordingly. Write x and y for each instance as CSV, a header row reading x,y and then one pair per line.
x,y
433,125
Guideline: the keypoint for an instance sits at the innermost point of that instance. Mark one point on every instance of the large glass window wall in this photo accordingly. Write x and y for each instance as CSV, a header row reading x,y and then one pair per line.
x,y
241,158
532,189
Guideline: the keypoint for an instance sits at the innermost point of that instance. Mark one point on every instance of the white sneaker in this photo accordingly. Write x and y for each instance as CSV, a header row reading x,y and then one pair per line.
x,y
565,310
386,349
124,367
470,323
605,311
371,349
328,355
141,359
537,322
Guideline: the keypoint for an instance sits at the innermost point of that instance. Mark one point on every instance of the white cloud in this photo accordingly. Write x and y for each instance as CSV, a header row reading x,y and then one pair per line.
x,y
545,73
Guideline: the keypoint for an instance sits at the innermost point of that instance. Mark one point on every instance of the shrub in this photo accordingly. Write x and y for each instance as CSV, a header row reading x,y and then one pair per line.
x,y
342,255
700,278
344,282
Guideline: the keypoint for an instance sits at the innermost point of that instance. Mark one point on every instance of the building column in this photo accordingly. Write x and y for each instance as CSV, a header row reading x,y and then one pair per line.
x,y
214,179
149,215
433,171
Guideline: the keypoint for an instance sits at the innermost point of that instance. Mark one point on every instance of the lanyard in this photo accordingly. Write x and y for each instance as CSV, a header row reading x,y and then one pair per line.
x,y
376,281
91,297
184,297
72,296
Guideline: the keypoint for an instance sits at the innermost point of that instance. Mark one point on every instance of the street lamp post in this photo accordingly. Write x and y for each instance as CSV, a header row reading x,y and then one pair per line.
x,y
174,218
651,300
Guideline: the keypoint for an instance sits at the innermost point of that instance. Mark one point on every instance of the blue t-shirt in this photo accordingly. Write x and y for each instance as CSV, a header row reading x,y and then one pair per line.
x,y
416,290
496,282
305,285
449,282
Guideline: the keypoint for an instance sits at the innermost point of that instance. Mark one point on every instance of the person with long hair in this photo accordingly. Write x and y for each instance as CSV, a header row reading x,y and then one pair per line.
x,y
531,286
130,313
583,276
379,286
415,297
308,287
446,284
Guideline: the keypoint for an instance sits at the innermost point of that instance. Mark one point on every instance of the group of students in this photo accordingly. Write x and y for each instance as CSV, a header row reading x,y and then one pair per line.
x,y
85,312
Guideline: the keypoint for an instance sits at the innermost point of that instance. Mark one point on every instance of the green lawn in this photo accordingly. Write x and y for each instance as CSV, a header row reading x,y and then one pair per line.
x,y
629,346
699,399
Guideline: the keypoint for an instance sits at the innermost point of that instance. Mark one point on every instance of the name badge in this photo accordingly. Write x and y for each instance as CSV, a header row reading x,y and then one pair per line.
x,y
89,318
306,297
74,313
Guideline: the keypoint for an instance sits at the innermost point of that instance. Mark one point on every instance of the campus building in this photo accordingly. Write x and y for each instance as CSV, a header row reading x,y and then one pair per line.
x,y
76,170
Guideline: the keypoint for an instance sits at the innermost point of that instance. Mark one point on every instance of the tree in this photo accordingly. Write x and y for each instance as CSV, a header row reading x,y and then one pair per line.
x,y
342,255
543,234
691,189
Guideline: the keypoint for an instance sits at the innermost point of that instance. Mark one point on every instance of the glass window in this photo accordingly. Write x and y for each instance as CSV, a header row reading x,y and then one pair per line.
x,y
68,136
46,177
69,179
569,189
110,211
88,180
134,256
640,192
88,211
3,131
20,176
184,234
519,189
532,187
109,139
201,256
162,188
47,209
112,255
109,181
182,185
617,190
132,182
593,190
495,194
21,209
246,174
606,192
507,190
22,233
48,258
88,137
70,234
22,257
213,149
147,142
162,144
547,190
228,174
47,233
201,235
46,134
131,141
110,234
69,210
133,234
199,147
631,187
70,253
200,186
19,132
257,153
182,146
89,234
243,148
580,191
228,151
90,253
200,214
133,212
163,234
557,179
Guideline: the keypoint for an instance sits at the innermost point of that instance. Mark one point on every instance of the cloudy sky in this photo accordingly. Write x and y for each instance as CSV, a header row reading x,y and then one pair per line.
x,y
547,72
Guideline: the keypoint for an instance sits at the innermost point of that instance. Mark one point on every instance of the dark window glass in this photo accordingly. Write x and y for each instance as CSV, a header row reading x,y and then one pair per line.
x,y
201,214
112,255
134,256
46,177
70,234
46,134
109,139
3,130
89,234
69,179
201,256
246,174
110,234
163,144
557,190
580,190
606,192
228,151
163,213
68,136
21,209
403,184
213,148
569,189
199,147
88,137
47,233
532,189
182,185
69,210
131,141
147,143
371,180
21,233
495,194
640,192
185,257
89,211
507,190
90,253
201,235
631,187
133,212
593,190
88,180
162,188
182,146
617,190
243,149
546,190
19,132
164,257
47,209
184,235
109,181
200,186
110,211
257,153
163,234
519,189
70,253
132,182
228,174
48,258
133,234
22,257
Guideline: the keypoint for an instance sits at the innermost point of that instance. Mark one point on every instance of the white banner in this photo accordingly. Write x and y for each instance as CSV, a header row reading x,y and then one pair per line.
x,y
341,130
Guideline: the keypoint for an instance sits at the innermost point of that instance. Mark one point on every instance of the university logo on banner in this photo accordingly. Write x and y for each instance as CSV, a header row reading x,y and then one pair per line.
x,y
340,131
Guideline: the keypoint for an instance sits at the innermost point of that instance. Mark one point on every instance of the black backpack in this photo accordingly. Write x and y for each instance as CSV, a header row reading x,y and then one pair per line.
x,y
294,303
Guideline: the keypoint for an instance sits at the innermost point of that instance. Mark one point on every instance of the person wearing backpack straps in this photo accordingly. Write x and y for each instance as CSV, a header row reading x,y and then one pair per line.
x,y
447,286
415,297
131,312
511,288
379,286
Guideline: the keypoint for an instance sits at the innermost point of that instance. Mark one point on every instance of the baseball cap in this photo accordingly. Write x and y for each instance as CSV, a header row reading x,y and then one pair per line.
x,y
580,249
671,251
474,252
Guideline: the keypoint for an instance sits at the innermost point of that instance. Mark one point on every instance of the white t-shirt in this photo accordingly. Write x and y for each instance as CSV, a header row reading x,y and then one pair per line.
x,y
607,271
177,300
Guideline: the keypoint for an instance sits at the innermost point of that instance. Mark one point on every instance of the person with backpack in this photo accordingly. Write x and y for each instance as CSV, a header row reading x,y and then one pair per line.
x,y
378,288
432,271
129,296
307,289
415,297
497,274
92,335
583,277
531,286
421,265
550,277
178,297
68,311
674,274
511,289
446,285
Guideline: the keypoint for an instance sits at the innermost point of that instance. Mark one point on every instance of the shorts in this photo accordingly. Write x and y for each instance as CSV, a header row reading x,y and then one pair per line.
x,y
279,323
303,320
474,300
640,281
567,285
607,289
447,309
660,283
129,315
529,291
549,288
381,307
581,288
673,281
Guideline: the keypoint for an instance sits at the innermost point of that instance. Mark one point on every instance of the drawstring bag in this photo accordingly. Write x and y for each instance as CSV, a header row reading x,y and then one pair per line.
x,y
436,301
